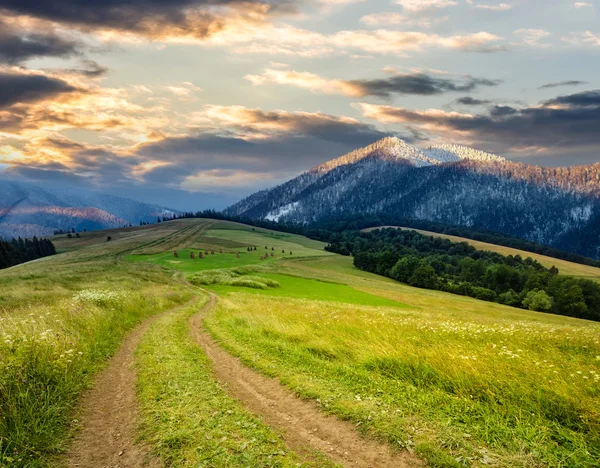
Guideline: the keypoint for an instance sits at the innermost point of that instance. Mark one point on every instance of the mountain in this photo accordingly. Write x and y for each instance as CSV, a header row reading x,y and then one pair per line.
x,y
27,210
450,184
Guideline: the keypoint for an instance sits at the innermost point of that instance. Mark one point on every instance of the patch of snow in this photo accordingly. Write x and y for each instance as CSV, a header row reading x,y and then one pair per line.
x,y
276,215
453,153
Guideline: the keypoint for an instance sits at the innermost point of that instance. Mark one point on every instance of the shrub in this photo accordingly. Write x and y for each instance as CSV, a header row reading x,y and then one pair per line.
x,y
538,300
236,277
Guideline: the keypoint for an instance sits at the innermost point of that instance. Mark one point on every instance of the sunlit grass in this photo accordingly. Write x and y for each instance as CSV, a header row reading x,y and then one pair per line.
x,y
209,262
293,286
455,390
58,326
187,417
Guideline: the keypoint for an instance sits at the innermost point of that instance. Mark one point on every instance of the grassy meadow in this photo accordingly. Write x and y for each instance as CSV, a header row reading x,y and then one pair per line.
x,y
188,419
458,381
61,318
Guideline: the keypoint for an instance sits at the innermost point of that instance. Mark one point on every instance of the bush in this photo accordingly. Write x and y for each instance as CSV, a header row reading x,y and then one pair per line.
x,y
247,283
423,277
234,277
538,300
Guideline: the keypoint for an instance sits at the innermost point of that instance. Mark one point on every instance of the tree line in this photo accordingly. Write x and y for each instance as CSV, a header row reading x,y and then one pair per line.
x,y
20,250
323,230
436,263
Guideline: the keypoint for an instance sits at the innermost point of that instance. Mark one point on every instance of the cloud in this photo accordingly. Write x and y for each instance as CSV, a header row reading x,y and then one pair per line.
x,y
567,122
563,83
402,83
183,89
258,124
586,38
226,148
531,36
341,2
383,41
499,7
154,19
419,84
290,143
36,104
384,19
423,5
376,20
470,101
272,39
582,5
89,68
19,88
17,45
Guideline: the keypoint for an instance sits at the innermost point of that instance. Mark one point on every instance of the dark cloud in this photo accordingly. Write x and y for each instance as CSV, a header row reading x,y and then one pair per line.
x,y
563,83
568,122
301,141
299,124
223,162
199,18
191,154
47,174
584,99
418,83
16,88
17,47
90,68
471,101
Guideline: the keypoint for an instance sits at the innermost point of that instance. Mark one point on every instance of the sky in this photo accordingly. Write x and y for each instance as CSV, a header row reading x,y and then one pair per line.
x,y
194,104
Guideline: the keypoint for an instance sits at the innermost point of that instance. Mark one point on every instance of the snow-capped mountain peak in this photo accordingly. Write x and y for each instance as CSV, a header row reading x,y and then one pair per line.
x,y
448,184
453,153
390,149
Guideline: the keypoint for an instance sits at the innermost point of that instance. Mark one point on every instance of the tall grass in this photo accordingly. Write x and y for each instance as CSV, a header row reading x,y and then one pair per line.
x,y
458,390
188,418
56,330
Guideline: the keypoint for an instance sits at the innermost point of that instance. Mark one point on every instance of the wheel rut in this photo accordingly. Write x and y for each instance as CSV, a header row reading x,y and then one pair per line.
x,y
109,410
303,425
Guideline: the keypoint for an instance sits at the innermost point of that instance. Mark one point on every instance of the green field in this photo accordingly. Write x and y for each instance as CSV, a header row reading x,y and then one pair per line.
x,y
457,381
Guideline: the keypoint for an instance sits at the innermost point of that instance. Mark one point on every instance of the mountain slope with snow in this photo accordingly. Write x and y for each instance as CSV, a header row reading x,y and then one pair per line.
x,y
27,210
449,184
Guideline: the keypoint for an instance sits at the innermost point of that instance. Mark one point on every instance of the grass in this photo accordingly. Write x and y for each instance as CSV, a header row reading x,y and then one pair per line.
x,y
232,238
187,417
455,390
210,262
298,287
459,381
57,328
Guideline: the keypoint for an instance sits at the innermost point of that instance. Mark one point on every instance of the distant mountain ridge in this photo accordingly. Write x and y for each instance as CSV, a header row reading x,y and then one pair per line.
x,y
27,210
446,183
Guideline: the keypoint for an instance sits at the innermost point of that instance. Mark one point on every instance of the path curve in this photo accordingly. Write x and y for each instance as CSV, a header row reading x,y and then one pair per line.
x,y
109,410
303,425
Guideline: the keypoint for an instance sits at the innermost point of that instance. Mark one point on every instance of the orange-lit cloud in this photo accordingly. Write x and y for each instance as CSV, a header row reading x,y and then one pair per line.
x,y
417,82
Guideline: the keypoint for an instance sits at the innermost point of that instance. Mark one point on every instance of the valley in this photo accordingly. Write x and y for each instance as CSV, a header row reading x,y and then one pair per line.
x,y
413,377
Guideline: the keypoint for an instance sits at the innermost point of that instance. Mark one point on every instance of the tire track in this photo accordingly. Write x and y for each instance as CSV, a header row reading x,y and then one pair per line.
x,y
109,410
303,425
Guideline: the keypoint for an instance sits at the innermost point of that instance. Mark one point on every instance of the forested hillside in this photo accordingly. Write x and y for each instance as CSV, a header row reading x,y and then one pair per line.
x,y
558,207
436,263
